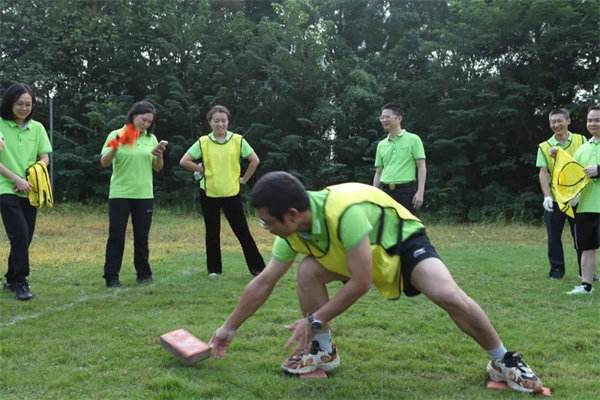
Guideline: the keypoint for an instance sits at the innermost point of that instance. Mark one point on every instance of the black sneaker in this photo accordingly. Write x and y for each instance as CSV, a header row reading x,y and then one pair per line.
x,y
22,292
9,287
146,279
114,283
556,273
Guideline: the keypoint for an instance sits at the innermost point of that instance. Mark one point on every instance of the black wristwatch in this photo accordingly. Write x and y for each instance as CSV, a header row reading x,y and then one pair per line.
x,y
315,324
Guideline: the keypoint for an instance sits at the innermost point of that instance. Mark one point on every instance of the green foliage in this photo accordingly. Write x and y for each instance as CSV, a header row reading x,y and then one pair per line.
x,y
305,79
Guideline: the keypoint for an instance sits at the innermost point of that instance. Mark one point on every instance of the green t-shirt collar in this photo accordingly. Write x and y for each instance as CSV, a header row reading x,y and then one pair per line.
x,y
554,142
397,136
228,136
13,124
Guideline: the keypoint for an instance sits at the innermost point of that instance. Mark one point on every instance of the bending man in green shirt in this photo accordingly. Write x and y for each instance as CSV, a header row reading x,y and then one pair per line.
x,y
359,235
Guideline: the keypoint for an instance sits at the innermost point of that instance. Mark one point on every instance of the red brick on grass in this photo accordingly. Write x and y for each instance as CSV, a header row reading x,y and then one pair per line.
x,y
185,346
504,386
318,373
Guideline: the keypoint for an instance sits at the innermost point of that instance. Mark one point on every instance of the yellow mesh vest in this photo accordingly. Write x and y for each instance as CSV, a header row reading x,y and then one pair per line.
x,y
576,141
221,166
386,268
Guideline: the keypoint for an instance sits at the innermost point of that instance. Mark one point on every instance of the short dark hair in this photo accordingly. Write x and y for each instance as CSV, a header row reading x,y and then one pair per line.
x,y
216,109
279,191
395,107
594,107
10,96
142,107
562,111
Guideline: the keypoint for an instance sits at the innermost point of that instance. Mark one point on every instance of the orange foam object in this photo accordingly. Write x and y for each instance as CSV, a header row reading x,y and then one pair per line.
x,y
128,135
185,346
504,386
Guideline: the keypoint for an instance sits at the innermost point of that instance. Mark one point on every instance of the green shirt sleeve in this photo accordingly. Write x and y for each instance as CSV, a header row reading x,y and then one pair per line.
x,y
282,251
195,151
247,150
541,159
378,162
110,137
418,151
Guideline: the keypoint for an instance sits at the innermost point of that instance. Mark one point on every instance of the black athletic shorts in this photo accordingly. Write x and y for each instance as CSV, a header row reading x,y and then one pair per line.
x,y
412,251
587,231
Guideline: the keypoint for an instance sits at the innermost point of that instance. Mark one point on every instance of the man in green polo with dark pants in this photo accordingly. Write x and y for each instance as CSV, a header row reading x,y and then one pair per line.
x,y
555,219
400,161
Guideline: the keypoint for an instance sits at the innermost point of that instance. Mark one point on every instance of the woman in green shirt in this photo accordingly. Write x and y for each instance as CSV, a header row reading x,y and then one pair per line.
x,y
131,193
26,142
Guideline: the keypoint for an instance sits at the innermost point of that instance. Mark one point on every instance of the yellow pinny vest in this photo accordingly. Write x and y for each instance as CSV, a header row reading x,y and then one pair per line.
x,y
576,141
385,267
221,166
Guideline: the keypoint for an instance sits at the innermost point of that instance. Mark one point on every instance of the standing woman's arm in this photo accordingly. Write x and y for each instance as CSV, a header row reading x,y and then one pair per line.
x,y
254,161
108,157
45,158
159,161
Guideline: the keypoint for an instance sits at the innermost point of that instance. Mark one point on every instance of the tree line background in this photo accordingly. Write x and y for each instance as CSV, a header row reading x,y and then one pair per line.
x,y
305,80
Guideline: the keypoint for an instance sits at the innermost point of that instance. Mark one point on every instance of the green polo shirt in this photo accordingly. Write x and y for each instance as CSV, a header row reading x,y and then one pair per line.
x,y
132,168
357,222
542,159
22,148
195,151
589,154
397,157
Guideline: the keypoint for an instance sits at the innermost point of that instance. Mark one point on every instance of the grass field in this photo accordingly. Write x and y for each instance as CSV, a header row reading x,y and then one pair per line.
x,y
80,340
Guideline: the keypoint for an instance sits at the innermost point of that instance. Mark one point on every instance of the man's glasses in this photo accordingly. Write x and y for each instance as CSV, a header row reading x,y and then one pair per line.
x,y
387,117
263,224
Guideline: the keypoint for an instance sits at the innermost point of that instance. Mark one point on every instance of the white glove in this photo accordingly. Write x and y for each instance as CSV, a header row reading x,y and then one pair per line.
x,y
575,200
547,203
197,174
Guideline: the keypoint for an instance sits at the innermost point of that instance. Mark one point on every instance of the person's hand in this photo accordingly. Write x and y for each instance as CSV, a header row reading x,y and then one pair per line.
x,y
301,334
575,200
547,203
158,150
552,152
417,200
242,180
22,185
592,171
220,341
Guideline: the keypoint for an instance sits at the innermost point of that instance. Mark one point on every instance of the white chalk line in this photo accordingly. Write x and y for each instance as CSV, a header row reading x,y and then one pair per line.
x,y
82,299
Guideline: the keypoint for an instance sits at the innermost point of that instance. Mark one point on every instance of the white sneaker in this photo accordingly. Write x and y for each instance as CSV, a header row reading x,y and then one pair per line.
x,y
315,359
518,375
214,274
580,290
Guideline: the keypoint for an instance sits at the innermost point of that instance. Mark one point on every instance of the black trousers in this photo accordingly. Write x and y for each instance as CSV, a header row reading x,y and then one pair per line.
x,y
18,217
555,222
403,193
234,212
141,211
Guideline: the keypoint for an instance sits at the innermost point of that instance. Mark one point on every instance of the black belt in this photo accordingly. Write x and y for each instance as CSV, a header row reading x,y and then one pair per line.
x,y
392,186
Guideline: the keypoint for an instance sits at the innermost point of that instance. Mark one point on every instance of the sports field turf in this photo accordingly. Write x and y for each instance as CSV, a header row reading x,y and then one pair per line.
x,y
79,340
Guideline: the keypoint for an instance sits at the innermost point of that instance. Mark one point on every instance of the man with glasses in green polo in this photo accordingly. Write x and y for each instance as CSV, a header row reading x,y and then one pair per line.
x,y
400,161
